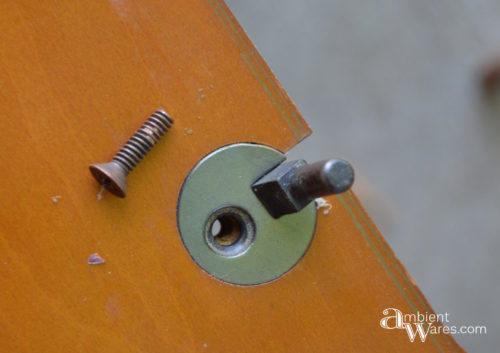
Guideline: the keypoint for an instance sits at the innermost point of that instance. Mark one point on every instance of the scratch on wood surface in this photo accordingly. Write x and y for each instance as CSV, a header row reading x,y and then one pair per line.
x,y
207,70
121,9
111,132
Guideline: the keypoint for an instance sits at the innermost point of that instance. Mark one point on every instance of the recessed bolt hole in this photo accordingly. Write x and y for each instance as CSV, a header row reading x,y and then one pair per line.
x,y
226,230
229,231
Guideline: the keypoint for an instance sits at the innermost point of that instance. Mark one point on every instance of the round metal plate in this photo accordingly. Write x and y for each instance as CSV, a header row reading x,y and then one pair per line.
x,y
222,180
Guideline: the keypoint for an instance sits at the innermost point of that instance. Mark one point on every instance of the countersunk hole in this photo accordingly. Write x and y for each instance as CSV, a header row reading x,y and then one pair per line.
x,y
229,231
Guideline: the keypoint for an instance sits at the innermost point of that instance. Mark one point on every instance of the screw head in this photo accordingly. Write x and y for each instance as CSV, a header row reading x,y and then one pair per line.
x,y
112,176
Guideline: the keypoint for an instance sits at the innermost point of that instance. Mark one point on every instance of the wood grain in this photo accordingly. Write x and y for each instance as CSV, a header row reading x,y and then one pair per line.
x,y
78,77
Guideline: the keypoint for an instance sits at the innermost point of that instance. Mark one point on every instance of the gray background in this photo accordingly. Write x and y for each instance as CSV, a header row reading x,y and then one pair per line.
x,y
392,86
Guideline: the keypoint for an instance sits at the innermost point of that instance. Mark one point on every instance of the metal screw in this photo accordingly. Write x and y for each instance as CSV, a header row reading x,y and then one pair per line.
x,y
291,186
113,175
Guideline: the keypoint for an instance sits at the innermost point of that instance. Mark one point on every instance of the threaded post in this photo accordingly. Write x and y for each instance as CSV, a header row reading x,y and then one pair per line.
x,y
143,140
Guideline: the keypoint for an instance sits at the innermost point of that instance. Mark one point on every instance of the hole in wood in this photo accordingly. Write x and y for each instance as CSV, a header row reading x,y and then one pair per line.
x,y
230,231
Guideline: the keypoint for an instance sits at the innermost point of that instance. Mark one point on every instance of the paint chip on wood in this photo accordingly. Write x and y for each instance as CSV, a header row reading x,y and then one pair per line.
x,y
99,194
95,259
201,94
55,199
322,203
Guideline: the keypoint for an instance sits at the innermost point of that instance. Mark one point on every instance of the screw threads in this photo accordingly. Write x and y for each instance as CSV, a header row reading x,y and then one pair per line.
x,y
143,140
113,175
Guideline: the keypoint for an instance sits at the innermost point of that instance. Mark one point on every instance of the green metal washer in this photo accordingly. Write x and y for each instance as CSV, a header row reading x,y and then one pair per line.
x,y
219,188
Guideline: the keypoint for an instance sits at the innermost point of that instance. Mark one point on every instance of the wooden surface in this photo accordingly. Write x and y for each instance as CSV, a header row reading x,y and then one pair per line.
x,y
77,79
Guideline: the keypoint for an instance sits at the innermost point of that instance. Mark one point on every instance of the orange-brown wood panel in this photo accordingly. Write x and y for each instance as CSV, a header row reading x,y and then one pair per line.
x,y
77,78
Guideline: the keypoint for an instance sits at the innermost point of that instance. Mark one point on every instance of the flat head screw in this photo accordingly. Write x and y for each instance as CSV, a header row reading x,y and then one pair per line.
x,y
113,175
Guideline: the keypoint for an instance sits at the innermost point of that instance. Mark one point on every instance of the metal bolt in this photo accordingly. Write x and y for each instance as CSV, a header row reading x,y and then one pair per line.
x,y
291,186
322,178
113,175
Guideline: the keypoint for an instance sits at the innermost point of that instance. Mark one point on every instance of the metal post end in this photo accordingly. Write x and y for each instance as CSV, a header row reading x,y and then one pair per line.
x,y
339,175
